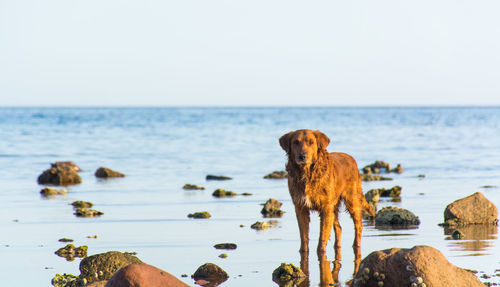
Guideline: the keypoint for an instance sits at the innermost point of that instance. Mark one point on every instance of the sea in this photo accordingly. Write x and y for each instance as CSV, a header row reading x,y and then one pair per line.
x,y
447,153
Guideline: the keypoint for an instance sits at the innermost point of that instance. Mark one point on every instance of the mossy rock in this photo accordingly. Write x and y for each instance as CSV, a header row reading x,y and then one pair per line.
x,y
211,273
192,187
86,212
104,265
395,191
223,193
70,252
272,208
64,280
202,214
396,216
288,272
217,177
49,191
369,177
263,225
82,204
277,175
104,172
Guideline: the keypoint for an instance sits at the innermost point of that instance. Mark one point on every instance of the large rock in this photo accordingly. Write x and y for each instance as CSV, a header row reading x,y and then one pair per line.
x,y
396,216
59,175
143,275
411,267
473,209
104,172
102,266
288,275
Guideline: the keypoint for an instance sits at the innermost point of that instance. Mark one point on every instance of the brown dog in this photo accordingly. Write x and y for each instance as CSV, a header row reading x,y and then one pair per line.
x,y
318,180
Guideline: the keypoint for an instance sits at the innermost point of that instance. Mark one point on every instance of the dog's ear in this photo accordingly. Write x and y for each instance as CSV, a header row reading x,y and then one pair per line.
x,y
285,142
322,139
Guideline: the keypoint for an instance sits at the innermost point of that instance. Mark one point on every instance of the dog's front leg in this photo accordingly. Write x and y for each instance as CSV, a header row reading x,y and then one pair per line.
x,y
326,218
303,221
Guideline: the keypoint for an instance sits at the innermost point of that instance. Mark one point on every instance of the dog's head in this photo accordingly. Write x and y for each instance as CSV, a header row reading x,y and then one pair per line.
x,y
303,146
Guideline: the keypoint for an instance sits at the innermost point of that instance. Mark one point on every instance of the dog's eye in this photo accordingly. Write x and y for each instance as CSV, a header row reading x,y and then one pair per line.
x,y
311,142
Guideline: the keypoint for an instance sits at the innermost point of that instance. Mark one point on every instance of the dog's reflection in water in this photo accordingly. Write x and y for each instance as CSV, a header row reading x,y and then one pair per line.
x,y
328,276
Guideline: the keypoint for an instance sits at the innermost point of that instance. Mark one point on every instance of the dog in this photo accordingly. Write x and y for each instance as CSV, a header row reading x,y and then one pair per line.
x,y
321,181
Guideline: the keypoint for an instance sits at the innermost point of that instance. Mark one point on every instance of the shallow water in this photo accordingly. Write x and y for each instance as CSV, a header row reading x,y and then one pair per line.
x,y
161,149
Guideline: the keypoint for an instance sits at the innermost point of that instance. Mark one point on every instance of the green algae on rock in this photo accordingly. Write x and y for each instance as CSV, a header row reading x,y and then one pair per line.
x,y
49,191
202,214
369,177
86,212
82,204
70,252
64,280
272,208
223,193
192,187
288,272
395,216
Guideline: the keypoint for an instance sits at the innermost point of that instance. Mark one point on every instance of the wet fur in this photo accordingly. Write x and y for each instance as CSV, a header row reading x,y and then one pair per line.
x,y
321,183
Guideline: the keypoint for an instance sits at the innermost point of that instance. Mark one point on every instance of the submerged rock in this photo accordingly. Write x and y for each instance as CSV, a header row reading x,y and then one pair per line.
x,y
104,172
372,197
59,175
70,252
288,273
473,209
65,240
217,177
48,191
102,266
192,187
82,204
87,212
395,216
277,175
411,267
223,193
378,165
227,246
67,164
202,214
369,177
272,208
210,272
143,275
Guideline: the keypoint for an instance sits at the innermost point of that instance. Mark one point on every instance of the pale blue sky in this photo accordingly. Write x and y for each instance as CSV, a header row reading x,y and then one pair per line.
x,y
258,53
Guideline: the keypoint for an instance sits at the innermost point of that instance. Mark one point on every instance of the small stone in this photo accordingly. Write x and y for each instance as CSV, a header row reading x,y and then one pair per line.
x,y
217,177
227,246
272,208
82,204
419,280
65,240
86,212
192,187
277,175
104,172
223,193
48,191
223,255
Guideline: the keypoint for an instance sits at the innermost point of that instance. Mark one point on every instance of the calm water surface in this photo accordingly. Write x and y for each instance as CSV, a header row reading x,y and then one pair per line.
x,y
161,149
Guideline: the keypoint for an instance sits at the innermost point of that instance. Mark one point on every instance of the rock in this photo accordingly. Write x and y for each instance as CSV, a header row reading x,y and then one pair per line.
x,y
102,266
225,246
272,208
262,225
369,177
64,280
395,216
372,197
223,193
65,240
395,191
246,194
70,252
210,272
67,164
223,255
288,274
489,186
277,175
378,165
457,234
82,204
192,187
59,175
104,172
86,212
421,175
202,214
411,267
473,209
48,191
217,177
143,275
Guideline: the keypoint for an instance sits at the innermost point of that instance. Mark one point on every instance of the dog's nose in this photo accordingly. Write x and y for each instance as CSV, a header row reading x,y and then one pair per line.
x,y
302,157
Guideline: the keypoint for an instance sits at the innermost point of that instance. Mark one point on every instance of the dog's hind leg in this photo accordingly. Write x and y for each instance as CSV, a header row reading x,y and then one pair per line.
x,y
338,233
